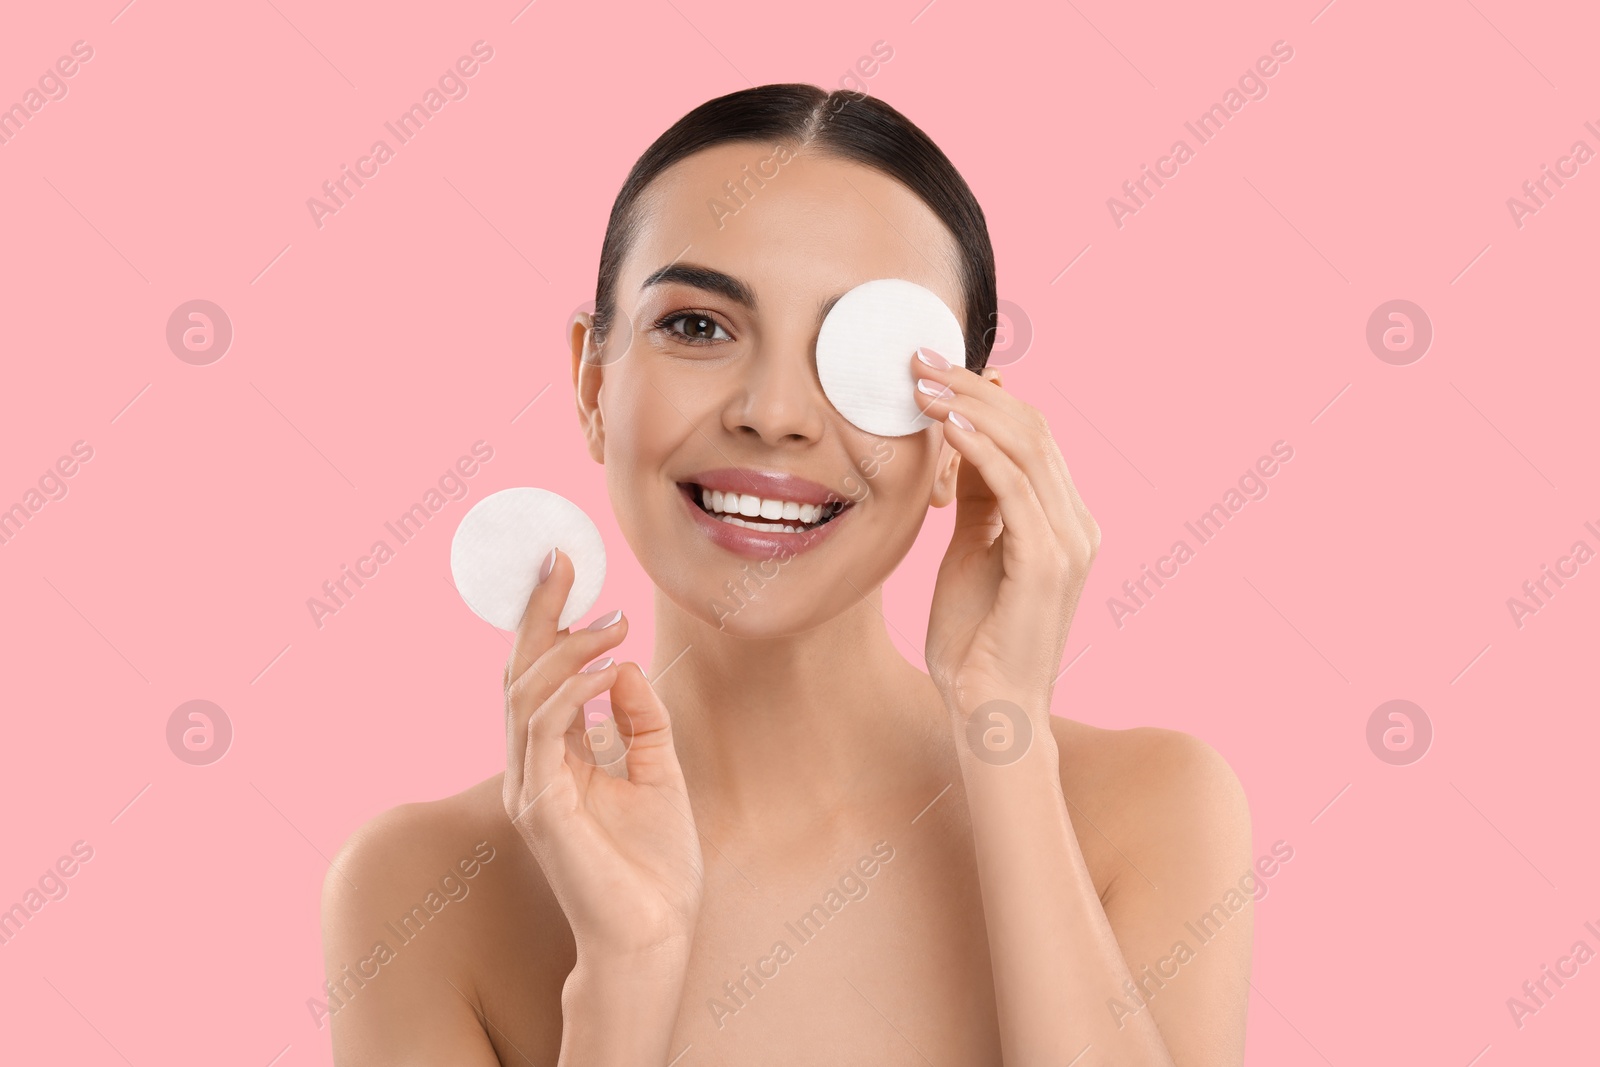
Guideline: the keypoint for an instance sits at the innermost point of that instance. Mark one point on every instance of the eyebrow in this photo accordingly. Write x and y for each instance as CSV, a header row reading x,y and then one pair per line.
x,y
715,281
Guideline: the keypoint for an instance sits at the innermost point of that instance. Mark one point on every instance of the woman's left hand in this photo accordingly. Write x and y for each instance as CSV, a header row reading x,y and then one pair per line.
x,y
1021,549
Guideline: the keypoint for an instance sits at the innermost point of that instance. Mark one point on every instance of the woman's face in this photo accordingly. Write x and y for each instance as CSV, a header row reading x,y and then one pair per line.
x,y
717,389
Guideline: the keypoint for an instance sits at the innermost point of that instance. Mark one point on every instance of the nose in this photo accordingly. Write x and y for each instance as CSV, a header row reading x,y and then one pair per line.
x,y
779,399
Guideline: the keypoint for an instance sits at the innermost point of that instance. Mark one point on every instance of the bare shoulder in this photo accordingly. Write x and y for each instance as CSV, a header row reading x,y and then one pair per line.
x,y
1171,829
1158,799
427,910
409,850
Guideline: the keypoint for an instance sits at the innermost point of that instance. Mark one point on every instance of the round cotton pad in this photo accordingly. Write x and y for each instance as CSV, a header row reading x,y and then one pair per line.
x,y
501,543
864,352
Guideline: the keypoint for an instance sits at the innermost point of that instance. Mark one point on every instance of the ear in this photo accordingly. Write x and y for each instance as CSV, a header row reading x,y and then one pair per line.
x,y
587,373
944,476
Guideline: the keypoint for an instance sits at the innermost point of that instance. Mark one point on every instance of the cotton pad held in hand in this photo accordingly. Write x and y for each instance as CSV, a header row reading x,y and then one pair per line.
x,y
864,352
501,543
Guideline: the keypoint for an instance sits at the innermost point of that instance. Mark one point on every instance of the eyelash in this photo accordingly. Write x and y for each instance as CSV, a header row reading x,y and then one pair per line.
x,y
681,316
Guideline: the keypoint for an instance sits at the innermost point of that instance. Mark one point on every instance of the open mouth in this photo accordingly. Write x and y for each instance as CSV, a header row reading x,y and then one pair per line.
x,y
763,514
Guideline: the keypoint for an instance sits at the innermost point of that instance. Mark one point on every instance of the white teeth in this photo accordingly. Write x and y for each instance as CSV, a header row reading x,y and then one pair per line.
x,y
746,506
755,507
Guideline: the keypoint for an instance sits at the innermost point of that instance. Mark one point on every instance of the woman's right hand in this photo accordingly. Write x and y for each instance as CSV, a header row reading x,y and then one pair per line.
x,y
622,855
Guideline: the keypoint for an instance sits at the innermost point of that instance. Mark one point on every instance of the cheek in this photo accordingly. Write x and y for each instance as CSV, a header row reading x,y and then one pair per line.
x,y
650,420
644,421
893,488
898,471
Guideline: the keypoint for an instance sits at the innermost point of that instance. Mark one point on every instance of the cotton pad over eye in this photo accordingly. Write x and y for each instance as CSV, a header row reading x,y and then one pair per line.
x,y
864,352
501,543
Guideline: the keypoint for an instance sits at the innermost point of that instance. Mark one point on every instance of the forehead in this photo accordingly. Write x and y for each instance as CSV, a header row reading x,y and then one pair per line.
x,y
795,232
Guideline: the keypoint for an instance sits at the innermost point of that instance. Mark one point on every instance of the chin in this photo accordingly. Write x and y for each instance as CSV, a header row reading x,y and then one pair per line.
x,y
752,601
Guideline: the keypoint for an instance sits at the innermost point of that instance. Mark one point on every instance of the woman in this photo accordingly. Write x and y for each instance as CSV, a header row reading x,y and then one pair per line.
x,y
820,853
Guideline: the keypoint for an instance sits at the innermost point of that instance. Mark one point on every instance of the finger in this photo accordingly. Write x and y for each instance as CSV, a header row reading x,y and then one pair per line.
x,y
564,659
976,384
1000,488
542,739
647,727
1020,430
1068,522
536,632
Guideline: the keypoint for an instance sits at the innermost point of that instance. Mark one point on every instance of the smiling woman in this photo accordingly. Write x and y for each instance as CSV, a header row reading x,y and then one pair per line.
x,y
771,742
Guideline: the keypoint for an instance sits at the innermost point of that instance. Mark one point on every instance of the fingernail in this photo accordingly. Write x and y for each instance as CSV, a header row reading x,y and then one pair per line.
x,y
595,718
597,666
933,359
955,417
933,388
605,620
548,566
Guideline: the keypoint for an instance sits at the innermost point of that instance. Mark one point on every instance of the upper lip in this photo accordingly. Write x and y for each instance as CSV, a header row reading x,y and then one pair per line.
x,y
769,485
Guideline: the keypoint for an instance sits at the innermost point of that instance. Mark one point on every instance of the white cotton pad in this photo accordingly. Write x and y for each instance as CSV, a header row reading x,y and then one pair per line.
x,y
865,347
501,543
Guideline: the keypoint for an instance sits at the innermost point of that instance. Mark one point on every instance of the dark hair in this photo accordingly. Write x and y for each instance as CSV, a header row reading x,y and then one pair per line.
x,y
847,125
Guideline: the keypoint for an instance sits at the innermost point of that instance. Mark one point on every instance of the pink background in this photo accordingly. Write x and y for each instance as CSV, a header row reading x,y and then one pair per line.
x,y
369,354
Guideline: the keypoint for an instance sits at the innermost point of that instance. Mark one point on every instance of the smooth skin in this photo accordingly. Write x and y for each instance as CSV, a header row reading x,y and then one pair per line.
x,y
778,752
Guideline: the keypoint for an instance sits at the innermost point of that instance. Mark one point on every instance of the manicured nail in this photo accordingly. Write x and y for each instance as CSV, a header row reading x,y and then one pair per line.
x,y
548,566
933,359
595,718
597,666
934,389
605,620
955,417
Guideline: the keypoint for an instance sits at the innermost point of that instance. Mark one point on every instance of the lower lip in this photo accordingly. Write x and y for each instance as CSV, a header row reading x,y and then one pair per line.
x,y
758,544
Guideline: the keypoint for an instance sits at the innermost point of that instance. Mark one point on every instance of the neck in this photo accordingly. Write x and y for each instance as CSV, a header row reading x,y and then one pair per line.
x,y
788,725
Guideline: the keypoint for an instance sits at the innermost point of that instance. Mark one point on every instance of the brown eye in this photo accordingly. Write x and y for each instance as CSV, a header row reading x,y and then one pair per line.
x,y
695,328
